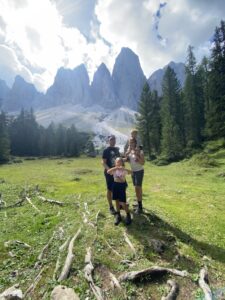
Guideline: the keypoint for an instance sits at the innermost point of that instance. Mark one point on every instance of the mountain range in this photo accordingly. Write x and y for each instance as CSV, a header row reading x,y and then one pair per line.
x,y
90,106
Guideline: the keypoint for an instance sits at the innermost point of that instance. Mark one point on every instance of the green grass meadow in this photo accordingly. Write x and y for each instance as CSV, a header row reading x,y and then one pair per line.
x,y
184,207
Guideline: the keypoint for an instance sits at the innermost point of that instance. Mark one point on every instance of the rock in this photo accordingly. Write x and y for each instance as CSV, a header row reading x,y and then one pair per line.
x,y
61,292
158,246
12,293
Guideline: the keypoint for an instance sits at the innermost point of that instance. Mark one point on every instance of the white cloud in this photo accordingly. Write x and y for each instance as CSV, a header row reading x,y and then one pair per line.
x,y
38,37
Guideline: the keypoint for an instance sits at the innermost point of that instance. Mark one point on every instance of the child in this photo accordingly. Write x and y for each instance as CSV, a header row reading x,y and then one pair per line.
x,y
119,189
133,135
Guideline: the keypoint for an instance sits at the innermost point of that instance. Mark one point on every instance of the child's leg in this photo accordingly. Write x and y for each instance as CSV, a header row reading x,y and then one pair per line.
x,y
117,216
117,206
126,208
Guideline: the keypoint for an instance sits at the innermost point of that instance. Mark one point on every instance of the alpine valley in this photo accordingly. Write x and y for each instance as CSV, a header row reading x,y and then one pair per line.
x,y
105,106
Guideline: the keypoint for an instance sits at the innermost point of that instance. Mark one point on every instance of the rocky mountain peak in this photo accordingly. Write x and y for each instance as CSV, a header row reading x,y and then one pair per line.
x,y
128,78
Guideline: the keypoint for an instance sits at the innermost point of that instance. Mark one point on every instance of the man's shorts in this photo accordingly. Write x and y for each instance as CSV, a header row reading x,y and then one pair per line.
x,y
119,191
109,181
137,177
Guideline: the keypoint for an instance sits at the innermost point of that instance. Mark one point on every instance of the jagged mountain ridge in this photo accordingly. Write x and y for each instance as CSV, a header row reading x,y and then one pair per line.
x,y
122,88
107,105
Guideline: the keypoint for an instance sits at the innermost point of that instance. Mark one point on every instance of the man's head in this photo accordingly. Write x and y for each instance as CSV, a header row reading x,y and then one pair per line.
x,y
112,140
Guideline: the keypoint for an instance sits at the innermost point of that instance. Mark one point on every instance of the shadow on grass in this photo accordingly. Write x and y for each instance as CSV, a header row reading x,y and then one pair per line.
x,y
150,226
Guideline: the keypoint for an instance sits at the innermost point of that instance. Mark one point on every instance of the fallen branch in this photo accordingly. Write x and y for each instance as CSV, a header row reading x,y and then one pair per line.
x,y
41,255
203,283
16,242
34,284
30,202
61,248
129,243
51,201
19,203
113,250
69,258
150,273
174,290
114,281
88,269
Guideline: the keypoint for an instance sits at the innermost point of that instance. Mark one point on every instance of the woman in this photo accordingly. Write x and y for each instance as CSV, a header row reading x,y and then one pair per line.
x,y
136,158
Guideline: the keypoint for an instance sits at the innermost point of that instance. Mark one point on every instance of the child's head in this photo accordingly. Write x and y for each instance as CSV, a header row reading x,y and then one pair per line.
x,y
134,133
132,143
119,162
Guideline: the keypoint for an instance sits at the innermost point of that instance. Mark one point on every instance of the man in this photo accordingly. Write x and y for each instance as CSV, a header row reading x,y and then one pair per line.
x,y
108,161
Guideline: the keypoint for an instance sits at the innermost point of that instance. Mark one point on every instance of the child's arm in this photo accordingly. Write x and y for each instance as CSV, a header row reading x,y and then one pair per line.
x,y
111,170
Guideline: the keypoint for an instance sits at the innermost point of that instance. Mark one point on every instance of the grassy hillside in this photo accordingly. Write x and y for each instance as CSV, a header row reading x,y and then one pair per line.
x,y
184,210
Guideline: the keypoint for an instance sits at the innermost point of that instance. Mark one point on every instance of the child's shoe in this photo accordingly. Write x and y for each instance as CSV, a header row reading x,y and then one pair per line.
x,y
128,219
117,219
112,210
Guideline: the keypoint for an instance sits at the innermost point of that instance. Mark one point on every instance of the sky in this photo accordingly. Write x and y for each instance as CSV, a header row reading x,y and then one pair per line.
x,y
39,37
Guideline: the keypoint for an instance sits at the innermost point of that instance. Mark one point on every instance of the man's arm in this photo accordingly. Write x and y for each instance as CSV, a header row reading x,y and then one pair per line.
x,y
105,166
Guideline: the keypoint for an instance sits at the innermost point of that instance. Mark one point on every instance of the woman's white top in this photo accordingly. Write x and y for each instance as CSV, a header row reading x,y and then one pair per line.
x,y
134,164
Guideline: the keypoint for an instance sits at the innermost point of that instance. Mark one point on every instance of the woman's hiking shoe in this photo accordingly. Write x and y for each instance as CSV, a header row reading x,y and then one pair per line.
x,y
128,219
117,219
112,210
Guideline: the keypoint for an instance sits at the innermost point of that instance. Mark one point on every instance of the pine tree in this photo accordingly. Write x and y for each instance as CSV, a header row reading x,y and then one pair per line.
x,y
143,118
193,109
172,142
215,119
4,139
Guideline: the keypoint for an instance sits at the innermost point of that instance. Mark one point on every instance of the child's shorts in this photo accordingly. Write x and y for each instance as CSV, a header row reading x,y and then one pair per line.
x,y
119,191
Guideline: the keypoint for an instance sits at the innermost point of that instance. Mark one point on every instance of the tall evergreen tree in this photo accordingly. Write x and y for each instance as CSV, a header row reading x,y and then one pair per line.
x,y
24,134
172,142
143,118
215,121
193,109
4,139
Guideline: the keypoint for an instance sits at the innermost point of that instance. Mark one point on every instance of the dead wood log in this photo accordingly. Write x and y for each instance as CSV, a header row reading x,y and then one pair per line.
x,y
62,292
16,242
150,273
61,248
69,258
35,283
127,240
88,269
30,202
18,203
174,290
50,201
12,293
203,283
42,253
114,281
113,250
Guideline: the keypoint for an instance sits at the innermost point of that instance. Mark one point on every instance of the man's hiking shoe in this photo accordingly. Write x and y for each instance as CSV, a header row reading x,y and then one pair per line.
x,y
139,210
117,219
112,210
128,219
135,204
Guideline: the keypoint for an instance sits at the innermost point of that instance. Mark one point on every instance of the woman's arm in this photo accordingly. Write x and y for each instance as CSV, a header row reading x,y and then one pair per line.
x,y
141,158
